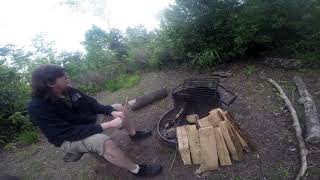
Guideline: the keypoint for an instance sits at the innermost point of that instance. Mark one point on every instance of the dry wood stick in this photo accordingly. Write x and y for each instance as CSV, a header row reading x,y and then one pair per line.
x,y
297,127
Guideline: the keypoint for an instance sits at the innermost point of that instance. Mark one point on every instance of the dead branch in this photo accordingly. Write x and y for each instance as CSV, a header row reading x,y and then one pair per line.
x,y
297,127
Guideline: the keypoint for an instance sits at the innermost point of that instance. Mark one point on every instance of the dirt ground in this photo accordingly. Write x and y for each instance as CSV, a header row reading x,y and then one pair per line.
x,y
258,109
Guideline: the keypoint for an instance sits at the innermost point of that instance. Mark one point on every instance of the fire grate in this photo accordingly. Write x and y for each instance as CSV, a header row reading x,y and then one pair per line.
x,y
193,96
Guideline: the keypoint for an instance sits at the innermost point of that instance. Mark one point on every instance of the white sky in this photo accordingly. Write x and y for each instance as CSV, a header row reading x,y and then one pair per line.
x,y
21,20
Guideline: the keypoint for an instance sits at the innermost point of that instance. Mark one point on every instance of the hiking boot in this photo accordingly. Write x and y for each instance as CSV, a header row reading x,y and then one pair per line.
x,y
148,170
72,157
141,135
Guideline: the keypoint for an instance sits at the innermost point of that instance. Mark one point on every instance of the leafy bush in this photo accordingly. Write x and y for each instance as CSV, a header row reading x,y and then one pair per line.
x,y
206,31
14,94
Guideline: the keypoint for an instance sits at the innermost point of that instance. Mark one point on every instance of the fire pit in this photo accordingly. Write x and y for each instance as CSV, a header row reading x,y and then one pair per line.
x,y
194,96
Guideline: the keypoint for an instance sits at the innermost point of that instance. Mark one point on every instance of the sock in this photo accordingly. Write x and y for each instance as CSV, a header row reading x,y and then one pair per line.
x,y
136,170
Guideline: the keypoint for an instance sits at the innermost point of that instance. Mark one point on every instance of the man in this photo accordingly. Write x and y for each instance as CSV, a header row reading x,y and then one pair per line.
x,y
67,117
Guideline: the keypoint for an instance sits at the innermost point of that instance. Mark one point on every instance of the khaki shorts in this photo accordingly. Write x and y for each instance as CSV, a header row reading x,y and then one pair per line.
x,y
94,143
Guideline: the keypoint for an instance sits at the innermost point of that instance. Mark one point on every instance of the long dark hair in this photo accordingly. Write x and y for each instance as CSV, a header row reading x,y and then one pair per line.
x,y
41,76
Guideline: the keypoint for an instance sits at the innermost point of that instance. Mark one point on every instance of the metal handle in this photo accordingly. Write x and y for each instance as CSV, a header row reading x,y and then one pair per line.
x,y
231,101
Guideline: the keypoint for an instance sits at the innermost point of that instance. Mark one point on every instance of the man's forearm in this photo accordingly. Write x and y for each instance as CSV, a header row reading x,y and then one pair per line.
x,y
106,125
115,123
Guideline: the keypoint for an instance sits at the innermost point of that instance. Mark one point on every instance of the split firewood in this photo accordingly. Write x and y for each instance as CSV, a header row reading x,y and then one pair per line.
x,y
223,153
215,117
192,118
208,146
244,137
297,127
204,122
311,114
183,145
232,141
194,144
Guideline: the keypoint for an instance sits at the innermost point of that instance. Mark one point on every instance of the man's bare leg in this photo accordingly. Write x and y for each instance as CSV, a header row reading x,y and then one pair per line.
x,y
114,155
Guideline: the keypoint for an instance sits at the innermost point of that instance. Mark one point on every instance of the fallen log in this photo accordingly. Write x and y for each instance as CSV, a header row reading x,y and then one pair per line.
x,y
311,114
142,101
297,127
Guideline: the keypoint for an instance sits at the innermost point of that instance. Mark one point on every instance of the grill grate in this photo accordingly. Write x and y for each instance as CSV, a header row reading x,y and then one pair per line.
x,y
197,90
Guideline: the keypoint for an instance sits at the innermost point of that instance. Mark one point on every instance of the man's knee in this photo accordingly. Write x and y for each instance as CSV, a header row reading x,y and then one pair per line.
x,y
109,148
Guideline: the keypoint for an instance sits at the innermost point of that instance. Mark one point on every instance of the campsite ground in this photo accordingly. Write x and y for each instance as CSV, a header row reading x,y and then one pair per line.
x,y
258,109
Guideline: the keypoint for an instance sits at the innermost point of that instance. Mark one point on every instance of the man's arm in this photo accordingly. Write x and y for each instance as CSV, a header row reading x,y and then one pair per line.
x,y
54,126
99,108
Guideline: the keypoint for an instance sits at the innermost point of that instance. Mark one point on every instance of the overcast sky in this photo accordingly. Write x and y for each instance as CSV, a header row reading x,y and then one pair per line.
x,y
20,20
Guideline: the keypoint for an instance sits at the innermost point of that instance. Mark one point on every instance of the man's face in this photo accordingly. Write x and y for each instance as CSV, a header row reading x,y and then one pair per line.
x,y
61,83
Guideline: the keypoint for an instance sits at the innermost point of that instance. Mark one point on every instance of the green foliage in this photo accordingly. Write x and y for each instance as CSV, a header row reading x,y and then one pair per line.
x,y
14,94
249,70
28,137
207,58
205,31
124,81
21,121
310,59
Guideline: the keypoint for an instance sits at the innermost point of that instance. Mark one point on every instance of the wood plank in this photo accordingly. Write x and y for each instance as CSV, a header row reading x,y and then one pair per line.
x,y
243,136
208,146
192,118
223,153
215,117
204,122
194,144
183,145
232,141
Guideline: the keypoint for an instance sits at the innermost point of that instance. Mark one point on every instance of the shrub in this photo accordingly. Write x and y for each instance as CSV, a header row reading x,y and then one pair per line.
x,y
212,30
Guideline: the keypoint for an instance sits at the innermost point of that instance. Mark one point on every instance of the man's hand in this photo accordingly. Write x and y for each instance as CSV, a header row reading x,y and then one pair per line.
x,y
115,123
119,114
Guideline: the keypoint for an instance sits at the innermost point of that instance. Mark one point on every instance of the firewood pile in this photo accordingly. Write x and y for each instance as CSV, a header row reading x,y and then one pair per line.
x,y
212,141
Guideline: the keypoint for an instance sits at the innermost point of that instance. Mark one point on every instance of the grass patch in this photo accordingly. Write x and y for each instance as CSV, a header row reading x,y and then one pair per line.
x,y
249,70
310,59
124,81
28,137
9,146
